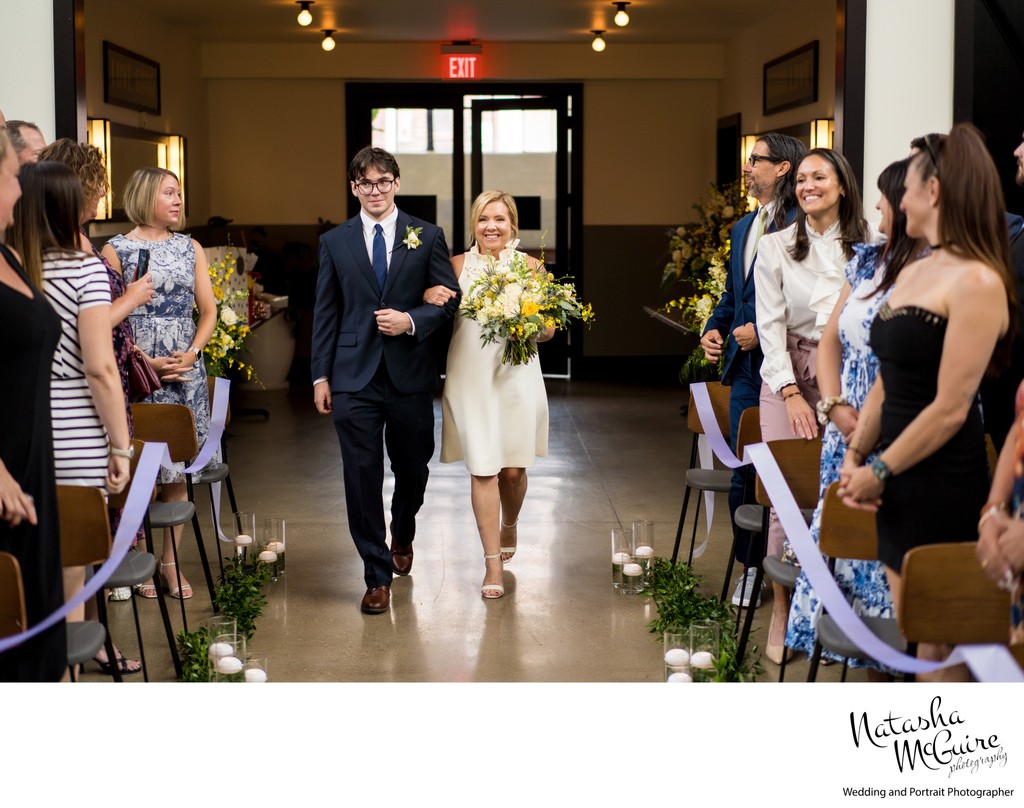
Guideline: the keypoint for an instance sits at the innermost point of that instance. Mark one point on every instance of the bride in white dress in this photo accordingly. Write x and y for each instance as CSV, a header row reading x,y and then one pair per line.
x,y
495,416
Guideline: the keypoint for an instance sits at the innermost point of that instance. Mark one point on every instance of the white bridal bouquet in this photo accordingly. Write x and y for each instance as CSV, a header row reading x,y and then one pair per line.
x,y
513,302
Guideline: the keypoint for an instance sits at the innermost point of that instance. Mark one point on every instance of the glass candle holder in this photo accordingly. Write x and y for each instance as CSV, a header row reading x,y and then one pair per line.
x,y
256,670
622,551
245,532
643,546
676,648
704,649
227,658
273,541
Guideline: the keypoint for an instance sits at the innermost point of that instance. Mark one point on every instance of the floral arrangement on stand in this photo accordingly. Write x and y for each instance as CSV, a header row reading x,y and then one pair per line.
x,y
513,302
696,273
223,352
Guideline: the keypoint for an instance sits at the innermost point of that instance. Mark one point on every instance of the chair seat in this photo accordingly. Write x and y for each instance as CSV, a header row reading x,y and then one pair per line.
x,y
84,640
832,639
715,480
217,473
135,568
777,570
169,514
749,517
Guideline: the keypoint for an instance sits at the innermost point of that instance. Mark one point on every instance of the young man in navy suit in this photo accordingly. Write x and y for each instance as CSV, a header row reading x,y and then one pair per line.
x,y
770,173
374,362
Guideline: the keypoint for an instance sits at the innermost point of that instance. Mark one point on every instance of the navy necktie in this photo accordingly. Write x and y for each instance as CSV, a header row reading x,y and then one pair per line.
x,y
380,257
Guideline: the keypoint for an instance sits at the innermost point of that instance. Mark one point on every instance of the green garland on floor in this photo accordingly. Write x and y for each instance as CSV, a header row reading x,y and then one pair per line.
x,y
240,595
675,589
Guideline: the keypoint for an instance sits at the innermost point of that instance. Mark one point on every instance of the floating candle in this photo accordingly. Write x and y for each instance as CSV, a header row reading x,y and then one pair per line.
x,y
219,649
255,675
620,558
677,657
243,539
276,546
633,570
679,678
644,552
702,659
229,665
268,556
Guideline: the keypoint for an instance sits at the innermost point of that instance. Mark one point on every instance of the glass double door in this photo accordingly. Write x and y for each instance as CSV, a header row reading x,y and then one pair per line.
x,y
452,142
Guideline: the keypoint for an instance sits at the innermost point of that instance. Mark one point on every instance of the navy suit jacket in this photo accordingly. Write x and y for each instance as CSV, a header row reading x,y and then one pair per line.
x,y
737,306
347,346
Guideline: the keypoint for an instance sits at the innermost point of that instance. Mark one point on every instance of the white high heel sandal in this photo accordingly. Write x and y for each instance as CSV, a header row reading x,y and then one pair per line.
x,y
491,588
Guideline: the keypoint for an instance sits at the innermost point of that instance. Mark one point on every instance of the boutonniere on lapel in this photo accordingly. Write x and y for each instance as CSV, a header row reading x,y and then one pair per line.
x,y
412,237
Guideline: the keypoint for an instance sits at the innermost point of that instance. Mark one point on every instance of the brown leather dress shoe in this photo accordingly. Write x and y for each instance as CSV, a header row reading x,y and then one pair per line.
x,y
376,600
401,558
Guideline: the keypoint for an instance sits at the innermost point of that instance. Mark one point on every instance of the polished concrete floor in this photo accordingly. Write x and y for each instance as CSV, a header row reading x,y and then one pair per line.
x,y
617,453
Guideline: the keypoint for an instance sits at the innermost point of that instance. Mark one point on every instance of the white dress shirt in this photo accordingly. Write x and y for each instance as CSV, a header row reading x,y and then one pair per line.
x,y
388,225
796,297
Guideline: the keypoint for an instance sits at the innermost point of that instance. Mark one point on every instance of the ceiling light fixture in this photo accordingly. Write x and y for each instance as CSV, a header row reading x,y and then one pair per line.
x,y
598,44
305,16
328,44
621,17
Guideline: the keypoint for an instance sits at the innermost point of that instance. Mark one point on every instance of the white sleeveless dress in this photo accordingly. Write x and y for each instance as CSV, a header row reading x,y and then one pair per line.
x,y
494,416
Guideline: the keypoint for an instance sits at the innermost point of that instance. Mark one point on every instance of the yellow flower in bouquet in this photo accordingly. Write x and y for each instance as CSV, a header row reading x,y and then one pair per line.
x,y
513,302
224,349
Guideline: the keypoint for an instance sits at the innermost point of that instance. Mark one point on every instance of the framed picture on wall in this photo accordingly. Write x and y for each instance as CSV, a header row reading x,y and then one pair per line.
x,y
791,80
130,80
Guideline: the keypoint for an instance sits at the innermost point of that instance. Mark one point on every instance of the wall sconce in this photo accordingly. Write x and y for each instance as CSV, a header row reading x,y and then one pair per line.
x,y
99,136
305,16
746,147
823,133
171,155
598,44
328,44
621,17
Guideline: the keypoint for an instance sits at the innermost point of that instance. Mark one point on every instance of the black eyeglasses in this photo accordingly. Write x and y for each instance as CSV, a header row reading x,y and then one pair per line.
x,y
753,159
931,152
365,187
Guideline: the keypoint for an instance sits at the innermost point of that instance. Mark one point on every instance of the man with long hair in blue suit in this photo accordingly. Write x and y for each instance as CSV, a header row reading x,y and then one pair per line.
x,y
770,174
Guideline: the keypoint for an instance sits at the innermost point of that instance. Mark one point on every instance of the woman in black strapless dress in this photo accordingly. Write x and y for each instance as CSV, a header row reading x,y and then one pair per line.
x,y
948,320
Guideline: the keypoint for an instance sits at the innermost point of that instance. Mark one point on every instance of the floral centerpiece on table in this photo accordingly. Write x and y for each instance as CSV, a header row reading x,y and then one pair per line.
x,y
223,352
696,273
513,302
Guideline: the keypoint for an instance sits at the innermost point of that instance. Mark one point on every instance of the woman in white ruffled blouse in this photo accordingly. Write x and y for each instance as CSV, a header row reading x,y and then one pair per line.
x,y
798,279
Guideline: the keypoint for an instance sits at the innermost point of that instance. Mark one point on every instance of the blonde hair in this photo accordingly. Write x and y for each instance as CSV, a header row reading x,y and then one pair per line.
x,y
140,196
485,199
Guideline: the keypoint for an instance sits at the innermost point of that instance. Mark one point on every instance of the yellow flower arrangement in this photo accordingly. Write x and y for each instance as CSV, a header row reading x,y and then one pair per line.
x,y
223,352
698,266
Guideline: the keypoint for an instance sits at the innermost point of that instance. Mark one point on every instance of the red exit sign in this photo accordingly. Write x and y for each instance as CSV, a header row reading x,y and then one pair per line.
x,y
462,66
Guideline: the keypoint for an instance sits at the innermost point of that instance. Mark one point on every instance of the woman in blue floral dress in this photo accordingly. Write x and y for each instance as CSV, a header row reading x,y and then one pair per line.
x,y
845,376
164,328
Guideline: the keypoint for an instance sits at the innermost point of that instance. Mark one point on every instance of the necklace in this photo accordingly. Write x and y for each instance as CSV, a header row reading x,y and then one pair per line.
x,y
934,246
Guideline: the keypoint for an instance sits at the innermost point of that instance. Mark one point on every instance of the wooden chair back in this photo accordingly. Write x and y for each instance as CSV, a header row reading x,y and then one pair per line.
x,y
800,463
13,617
946,598
845,532
84,525
172,424
719,395
749,431
118,500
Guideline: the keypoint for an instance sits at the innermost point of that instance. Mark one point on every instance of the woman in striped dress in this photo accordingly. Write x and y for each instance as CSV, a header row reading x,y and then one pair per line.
x,y
91,443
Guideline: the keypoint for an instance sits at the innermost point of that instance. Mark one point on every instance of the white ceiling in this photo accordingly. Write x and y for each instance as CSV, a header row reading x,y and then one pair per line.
x,y
562,21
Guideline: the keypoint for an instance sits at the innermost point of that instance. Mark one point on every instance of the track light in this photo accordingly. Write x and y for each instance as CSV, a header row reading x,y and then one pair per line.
x,y
598,44
328,44
621,17
305,17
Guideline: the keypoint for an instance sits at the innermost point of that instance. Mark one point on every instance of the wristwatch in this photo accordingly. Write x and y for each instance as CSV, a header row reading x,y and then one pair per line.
x,y
129,452
881,470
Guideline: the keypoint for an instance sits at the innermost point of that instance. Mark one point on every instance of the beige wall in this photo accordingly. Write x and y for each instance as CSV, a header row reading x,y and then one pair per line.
x,y
183,90
747,52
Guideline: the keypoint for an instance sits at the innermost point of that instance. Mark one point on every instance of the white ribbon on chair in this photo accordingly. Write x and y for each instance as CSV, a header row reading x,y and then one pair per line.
x,y
712,441
218,421
136,504
988,663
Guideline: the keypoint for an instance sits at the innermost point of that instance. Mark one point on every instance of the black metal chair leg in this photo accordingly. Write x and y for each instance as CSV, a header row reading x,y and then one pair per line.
x,y
138,635
812,671
201,546
686,502
177,575
108,643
